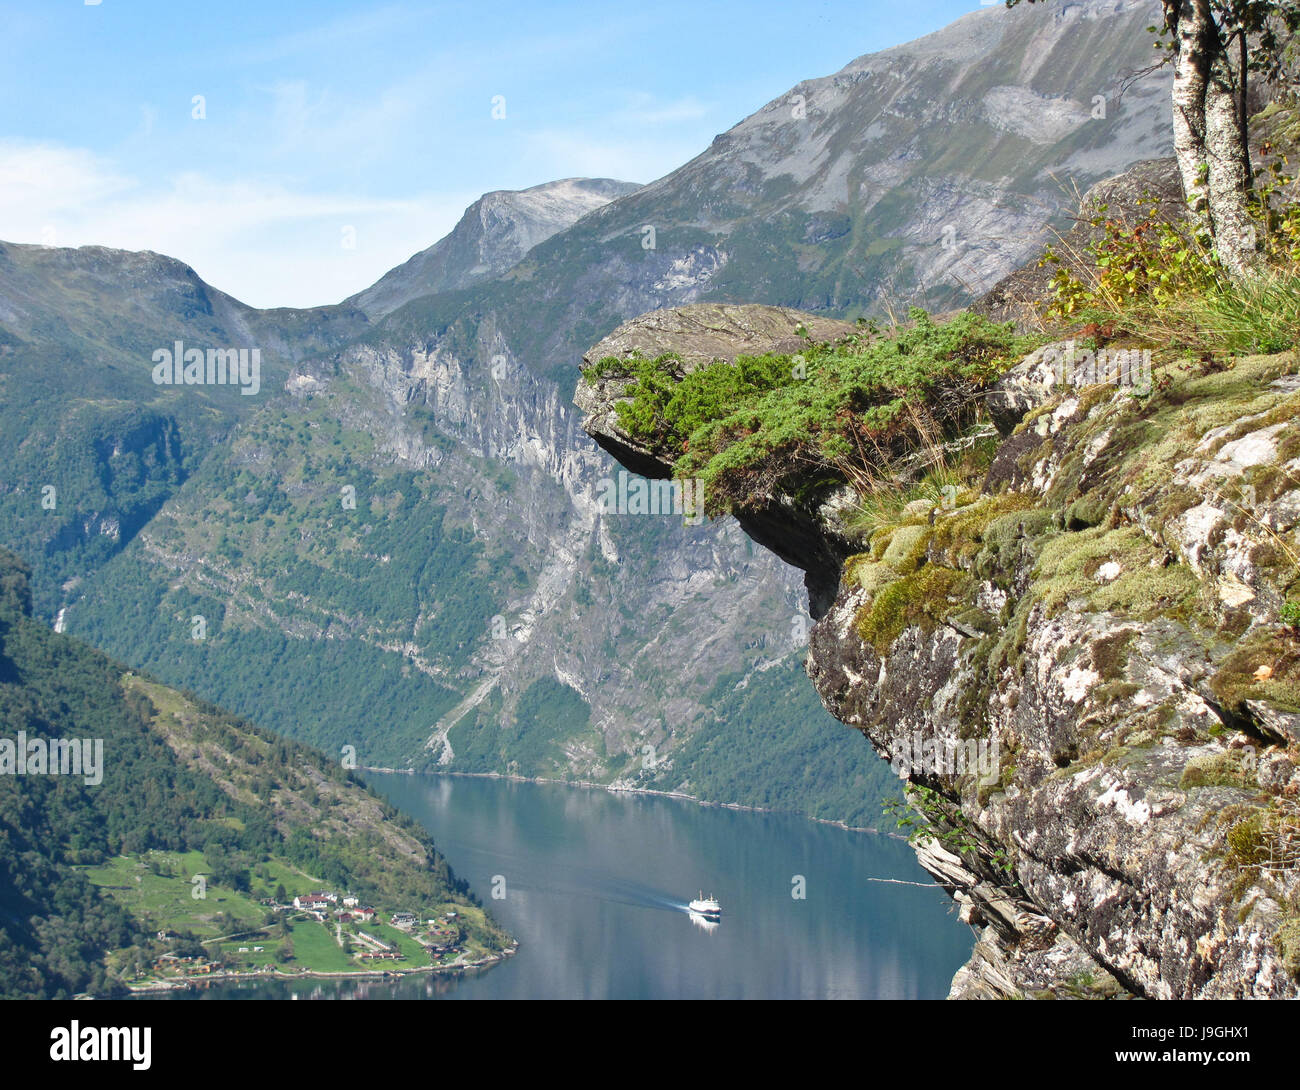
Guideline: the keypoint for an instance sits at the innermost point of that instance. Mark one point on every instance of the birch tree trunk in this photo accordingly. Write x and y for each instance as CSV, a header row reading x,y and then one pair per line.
x,y
1208,140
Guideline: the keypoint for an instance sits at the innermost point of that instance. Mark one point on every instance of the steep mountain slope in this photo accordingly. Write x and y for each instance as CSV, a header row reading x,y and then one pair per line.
x,y
91,446
918,175
166,774
494,234
448,419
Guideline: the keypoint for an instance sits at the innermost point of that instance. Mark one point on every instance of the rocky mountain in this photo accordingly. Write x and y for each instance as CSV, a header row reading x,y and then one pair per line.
x,y
918,175
492,236
417,515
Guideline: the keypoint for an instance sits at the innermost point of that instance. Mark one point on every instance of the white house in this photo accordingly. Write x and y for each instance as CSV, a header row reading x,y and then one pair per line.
x,y
314,901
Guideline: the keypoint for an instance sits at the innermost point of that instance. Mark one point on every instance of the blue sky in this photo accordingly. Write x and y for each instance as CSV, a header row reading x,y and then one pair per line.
x,y
326,115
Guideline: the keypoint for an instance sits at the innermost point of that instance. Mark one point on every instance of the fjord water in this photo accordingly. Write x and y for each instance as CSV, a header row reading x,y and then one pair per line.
x,y
595,887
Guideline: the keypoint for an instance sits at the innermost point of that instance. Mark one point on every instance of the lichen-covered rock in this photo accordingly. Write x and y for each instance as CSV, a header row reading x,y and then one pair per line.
x,y
1130,676
1027,385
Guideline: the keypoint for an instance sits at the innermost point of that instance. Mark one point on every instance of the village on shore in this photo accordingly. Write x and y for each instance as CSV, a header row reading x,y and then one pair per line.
x,y
322,932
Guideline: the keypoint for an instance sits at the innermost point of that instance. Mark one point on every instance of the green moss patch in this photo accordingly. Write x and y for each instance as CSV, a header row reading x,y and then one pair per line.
x,y
1216,770
1241,676
906,548
958,537
1247,842
1287,938
1257,837
1110,654
923,599
1068,573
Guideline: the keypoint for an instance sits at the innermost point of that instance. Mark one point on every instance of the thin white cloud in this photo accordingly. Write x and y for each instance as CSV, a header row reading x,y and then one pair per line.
x,y
313,126
265,243
344,32
41,183
582,152
646,109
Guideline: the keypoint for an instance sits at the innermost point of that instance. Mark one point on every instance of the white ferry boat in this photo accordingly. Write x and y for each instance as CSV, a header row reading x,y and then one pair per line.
x,y
707,907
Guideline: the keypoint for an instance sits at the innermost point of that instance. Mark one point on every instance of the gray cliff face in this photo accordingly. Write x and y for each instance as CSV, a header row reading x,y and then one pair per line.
x,y
923,173
563,623
1084,669
1133,765
495,232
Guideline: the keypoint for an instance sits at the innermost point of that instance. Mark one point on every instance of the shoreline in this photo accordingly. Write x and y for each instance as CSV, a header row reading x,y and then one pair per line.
x,y
617,790
483,964
232,976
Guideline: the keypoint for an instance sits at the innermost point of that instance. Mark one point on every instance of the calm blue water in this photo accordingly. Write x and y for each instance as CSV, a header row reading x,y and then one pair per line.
x,y
596,886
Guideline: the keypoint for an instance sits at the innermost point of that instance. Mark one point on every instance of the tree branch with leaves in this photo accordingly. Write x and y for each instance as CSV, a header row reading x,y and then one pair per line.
x,y
1214,46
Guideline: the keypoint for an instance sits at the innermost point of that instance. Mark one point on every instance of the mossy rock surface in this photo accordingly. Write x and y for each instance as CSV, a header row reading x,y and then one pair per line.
x,y
1217,770
1265,667
1075,570
924,598
1097,611
1288,943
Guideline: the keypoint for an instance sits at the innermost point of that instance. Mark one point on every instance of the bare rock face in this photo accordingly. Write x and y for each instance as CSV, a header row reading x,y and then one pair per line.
x,y
701,333
494,234
704,332
1026,386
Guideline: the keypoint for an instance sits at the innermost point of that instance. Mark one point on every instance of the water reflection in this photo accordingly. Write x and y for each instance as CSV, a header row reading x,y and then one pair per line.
x,y
702,922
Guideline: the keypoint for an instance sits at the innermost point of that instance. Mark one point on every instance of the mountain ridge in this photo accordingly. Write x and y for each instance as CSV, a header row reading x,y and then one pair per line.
x,y
449,419
495,233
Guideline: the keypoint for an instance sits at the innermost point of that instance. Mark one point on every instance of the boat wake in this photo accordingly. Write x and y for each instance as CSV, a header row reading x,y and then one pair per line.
x,y
603,887
633,893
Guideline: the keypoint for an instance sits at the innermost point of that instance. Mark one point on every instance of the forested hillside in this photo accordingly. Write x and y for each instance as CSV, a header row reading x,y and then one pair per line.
x,y
178,776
